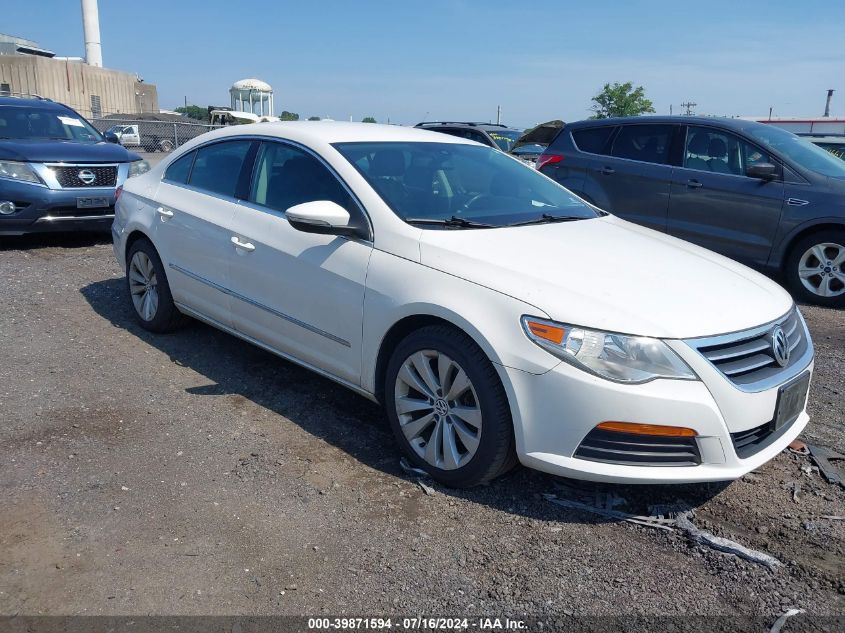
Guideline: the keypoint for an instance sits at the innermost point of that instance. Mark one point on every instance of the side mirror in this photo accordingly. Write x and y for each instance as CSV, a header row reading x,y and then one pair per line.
x,y
111,137
763,171
321,216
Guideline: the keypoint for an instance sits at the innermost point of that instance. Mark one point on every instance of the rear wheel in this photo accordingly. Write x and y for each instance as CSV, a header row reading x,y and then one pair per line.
x,y
448,409
815,269
166,145
149,291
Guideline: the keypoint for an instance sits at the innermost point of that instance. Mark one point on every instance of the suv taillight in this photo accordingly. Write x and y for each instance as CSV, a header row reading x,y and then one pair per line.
x,y
547,159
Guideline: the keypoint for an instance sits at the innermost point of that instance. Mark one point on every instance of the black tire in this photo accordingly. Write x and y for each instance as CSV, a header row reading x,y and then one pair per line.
x,y
166,145
166,317
793,261
495,454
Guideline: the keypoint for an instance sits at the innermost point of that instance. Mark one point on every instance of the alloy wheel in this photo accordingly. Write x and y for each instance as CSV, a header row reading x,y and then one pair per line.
x,y
438,409
821,269
143,286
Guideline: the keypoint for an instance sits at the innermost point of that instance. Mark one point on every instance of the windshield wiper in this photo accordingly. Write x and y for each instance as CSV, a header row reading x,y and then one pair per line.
x,y
454,221
548,218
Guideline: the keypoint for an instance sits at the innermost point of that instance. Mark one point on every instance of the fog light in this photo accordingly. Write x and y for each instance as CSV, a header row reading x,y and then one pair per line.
x,y
7,208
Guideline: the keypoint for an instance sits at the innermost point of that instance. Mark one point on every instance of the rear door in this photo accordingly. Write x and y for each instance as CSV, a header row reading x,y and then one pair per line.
x,y
715,205
196,207
634,178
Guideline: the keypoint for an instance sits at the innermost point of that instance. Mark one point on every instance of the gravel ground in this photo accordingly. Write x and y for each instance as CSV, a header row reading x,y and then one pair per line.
x,y
195,474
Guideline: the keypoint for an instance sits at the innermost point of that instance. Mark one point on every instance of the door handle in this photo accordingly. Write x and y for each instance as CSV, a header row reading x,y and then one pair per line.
x,y
607,171
247,246
694,184
164,213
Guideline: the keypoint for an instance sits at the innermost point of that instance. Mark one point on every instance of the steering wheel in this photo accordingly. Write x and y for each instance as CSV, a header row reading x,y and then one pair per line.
x,y
466,206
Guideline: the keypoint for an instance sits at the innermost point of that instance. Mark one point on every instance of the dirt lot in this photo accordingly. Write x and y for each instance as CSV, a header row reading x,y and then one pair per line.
x,y
195,474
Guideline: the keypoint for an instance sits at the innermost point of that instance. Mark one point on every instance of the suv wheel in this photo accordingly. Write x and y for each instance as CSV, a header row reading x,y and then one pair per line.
x,y
149,291
815,269
448,409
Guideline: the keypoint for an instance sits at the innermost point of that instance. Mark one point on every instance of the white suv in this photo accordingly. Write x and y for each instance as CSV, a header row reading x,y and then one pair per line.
x,y
495,315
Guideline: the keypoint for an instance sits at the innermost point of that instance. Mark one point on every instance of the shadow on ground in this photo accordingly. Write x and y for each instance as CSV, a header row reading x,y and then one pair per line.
x,y
333,414
34,241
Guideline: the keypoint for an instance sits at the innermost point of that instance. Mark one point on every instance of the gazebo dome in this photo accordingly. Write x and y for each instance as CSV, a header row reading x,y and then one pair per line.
x,y
252,95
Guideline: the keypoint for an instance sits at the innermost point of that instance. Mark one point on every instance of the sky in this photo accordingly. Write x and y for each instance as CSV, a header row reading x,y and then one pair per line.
x,y
408,61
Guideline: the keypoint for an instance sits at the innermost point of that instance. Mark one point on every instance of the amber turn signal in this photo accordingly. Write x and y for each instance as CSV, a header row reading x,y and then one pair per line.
x,y
647,429
546,331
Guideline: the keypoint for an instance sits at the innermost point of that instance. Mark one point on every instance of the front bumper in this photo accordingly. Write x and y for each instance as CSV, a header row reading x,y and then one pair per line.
x,y
46,208
553,413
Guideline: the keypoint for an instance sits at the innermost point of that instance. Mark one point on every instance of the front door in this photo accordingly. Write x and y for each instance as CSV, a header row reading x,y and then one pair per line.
x,y
195,211
633,181
300,293
715,205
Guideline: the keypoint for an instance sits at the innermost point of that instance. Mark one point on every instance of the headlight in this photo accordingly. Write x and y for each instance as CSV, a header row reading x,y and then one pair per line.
x,y
138,167
629,359
18,171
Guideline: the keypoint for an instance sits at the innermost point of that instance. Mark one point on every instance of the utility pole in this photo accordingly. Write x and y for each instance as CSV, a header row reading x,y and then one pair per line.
x,y
827,103
670,109
770,112
498,115
689,105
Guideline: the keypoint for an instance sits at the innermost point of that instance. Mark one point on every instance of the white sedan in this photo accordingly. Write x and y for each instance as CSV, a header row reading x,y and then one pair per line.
x,y
497,317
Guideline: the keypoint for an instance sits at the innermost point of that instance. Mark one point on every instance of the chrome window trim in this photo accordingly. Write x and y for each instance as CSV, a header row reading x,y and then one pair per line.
x,y
269,139
782,377
245,299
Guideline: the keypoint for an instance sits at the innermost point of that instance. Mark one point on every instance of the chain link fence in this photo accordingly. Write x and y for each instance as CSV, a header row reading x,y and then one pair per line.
x,y
152,135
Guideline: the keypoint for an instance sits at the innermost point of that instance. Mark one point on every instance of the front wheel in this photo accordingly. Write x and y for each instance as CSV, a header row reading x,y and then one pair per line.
x,y
448,409
815,269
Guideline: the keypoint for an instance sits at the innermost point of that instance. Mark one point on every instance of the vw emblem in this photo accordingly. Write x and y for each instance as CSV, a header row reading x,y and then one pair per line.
x,y
780,346
87,176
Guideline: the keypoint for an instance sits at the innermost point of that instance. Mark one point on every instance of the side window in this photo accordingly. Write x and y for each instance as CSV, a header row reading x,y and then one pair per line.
x,y
713,150
286,176
592,139
180,169
646,143
217,167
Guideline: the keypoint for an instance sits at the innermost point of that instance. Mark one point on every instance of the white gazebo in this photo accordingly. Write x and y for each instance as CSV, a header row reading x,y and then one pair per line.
x,y
252,95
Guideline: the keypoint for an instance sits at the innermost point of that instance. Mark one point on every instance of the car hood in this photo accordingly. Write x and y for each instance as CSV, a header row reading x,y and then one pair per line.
x,y
39,151
612,275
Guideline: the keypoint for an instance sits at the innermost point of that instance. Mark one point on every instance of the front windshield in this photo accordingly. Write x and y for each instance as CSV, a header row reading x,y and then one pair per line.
x,y
28,122
460,183
505,139
799,150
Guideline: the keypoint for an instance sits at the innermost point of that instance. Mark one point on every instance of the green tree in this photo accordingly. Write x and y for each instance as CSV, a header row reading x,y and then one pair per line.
x,y
620,100
369,119
194,112
289,116
313,118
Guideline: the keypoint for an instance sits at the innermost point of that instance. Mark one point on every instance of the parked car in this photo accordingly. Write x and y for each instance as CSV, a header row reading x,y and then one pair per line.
x,y
753,192
833,144
495,315
509,140
57,172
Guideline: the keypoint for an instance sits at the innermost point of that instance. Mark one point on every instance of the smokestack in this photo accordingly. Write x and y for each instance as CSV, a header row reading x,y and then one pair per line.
x,y
827,104
91,26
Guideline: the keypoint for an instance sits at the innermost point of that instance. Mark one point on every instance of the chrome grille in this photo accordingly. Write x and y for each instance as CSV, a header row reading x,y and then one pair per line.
x,y
747,358
77,176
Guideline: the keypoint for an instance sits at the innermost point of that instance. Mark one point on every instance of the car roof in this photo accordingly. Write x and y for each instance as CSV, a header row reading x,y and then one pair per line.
x,y
723,122
22,101
328,132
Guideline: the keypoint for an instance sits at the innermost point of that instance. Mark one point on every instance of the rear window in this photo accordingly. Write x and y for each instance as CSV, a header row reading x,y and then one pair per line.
x,y
180,169
592,139
646,143
217,167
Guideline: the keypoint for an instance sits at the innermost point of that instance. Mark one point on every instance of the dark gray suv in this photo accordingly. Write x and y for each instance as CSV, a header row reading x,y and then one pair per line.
x,y
750,191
